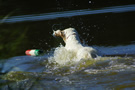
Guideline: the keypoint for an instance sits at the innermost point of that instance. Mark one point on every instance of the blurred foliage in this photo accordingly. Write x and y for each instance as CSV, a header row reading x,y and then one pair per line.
x,y
16,38
11,41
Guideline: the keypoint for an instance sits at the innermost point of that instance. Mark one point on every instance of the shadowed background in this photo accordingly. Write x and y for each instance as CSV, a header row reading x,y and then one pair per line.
x,y
105,29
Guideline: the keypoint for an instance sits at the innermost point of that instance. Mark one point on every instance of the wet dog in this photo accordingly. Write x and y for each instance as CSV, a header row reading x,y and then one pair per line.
x,y
73,44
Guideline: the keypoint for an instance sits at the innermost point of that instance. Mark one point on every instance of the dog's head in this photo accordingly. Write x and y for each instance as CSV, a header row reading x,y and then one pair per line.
x,y
65,34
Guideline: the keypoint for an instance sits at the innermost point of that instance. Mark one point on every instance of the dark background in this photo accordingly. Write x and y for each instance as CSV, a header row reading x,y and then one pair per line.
x,y
106,29
19,7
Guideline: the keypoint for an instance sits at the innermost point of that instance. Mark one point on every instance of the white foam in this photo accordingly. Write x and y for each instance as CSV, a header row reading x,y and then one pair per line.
x,y
63,57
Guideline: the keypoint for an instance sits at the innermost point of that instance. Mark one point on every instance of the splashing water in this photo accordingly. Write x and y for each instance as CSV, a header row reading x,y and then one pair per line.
x,y
62,68
63,56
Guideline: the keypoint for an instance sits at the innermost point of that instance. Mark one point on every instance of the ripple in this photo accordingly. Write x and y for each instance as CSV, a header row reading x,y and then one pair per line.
x,y
55,15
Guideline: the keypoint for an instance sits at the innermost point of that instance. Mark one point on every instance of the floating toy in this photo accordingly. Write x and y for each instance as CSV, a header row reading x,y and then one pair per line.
x,y
33,52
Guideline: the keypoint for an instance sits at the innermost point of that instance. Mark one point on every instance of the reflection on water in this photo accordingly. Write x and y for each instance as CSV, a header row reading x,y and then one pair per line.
x,y
118,50
48,16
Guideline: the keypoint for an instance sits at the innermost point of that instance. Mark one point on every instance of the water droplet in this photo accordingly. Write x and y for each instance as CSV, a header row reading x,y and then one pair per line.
x,y
46,43
89,1
94,25
83,33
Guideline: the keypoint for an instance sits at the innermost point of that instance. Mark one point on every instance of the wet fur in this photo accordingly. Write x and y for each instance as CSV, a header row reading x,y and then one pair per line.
x,y
72,43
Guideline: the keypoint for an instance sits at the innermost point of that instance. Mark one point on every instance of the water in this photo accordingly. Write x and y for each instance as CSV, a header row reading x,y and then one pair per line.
x,y
49,16
43,72
112,34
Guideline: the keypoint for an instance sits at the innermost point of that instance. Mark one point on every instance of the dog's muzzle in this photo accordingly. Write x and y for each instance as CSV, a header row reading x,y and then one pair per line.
x,y
54,33
57,33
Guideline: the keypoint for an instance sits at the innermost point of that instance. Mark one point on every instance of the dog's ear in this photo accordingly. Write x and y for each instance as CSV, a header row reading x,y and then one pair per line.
x,y
63,33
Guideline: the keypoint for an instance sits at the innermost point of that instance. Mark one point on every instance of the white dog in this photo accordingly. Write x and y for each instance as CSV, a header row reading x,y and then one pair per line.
x,y
72,43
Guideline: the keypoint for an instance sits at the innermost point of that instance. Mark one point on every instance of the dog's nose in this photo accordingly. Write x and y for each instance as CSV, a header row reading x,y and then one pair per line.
x,y
54,33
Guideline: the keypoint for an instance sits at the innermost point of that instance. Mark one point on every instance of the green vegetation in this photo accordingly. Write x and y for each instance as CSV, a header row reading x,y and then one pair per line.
x,y
12,42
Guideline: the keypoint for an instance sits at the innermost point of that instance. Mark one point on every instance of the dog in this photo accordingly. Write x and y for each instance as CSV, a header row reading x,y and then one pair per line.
x,y
73,44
